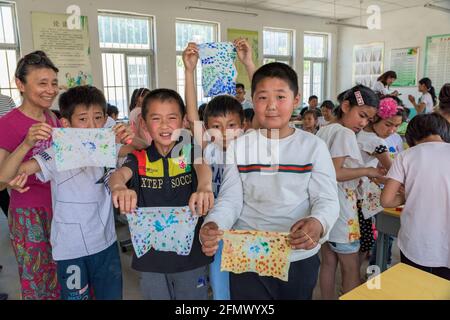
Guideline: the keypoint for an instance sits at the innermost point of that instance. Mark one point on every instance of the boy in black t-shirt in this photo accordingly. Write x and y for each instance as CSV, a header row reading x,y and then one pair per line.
x,y
163,176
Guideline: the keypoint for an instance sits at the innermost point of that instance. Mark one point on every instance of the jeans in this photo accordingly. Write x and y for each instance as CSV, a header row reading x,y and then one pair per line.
x,y
98,276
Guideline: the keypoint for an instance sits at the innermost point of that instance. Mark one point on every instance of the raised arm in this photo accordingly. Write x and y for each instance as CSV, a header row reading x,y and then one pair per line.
x,y
245,55
190,59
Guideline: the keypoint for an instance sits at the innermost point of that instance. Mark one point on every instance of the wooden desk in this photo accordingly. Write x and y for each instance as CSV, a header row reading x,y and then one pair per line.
x,y
388,224
403,282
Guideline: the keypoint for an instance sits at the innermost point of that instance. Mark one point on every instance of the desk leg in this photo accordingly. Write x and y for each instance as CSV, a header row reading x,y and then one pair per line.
x,y
382,250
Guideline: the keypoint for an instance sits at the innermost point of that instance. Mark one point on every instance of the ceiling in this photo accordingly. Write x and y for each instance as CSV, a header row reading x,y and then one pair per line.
x,y
339,9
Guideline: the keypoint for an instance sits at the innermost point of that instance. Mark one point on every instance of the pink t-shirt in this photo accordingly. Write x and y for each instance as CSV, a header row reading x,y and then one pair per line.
x,y
14,128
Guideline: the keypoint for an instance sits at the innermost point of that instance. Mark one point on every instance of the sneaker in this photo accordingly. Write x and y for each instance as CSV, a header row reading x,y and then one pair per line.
x,y
3,296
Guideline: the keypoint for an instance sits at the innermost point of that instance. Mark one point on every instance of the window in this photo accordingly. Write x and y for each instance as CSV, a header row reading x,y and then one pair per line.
x,y
315,54
198,32
278,46
126,44
9,51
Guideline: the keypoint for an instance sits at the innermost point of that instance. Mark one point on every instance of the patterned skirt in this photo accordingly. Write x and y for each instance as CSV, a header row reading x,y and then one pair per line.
x,y
30,237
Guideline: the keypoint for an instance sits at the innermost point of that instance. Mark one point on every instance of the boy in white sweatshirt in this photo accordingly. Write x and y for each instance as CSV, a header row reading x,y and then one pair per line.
x,y
277,179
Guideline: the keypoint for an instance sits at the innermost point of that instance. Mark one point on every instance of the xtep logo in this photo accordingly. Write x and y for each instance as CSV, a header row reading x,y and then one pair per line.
x,y
74,21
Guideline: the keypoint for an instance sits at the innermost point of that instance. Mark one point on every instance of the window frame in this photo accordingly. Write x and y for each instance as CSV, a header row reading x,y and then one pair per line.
x,y
149,53
11,46
200,97
312,60
281,58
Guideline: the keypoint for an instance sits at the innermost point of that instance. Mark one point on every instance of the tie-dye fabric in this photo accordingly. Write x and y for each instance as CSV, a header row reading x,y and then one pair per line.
x,y
77,148
164,229
266,253
218,70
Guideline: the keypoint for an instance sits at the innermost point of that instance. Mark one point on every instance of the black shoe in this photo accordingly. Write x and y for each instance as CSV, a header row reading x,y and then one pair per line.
x,y
1,267
3,296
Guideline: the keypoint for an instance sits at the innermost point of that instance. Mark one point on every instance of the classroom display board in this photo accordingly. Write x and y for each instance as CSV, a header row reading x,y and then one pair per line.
x,y
437,60
367,63
404,62
252,37
67,48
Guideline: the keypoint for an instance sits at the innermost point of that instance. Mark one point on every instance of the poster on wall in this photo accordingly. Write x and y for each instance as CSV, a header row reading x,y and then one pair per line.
x,y
437,60
252,37
367,63
404,62
67,48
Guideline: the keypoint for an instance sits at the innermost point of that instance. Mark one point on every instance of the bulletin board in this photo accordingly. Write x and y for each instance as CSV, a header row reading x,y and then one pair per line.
x,y
367,63
437,60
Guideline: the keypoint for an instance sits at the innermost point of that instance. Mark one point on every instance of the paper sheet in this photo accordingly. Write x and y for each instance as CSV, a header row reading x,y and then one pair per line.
x,y
266,253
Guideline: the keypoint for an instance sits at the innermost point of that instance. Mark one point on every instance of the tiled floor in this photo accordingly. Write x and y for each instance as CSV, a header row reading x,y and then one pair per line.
x,y
9,279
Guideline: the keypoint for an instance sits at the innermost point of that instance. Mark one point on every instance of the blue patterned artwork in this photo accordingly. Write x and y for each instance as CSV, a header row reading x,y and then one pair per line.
x,y
77,148
164,229
218,70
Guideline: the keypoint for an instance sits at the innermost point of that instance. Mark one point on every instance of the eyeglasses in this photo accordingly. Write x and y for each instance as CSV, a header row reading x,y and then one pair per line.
x,y
33,59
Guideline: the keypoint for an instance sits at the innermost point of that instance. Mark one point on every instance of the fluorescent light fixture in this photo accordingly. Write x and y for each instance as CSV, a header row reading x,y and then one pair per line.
x,y
222,10
432,6
347,25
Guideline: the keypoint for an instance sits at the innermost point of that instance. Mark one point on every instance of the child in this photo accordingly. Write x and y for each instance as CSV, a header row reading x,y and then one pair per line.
x,y
327,109
313,102
113,114
375,153
292,199
166,183
223,118
310,121
135,117
240,96
424,237
248,119
381,87
427,100
201,110
83,237
359,105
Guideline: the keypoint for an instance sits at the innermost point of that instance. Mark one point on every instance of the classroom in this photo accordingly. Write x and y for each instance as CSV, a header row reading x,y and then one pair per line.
x,y
224,150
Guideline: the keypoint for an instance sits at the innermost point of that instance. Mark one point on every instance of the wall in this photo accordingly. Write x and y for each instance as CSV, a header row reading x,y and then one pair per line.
x,y
165,13
402,28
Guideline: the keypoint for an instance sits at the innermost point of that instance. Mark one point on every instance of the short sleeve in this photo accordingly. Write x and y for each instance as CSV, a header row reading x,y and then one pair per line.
x,y
9,140
380,88
397,171
131,163
428,102
46,161
345,145
372,144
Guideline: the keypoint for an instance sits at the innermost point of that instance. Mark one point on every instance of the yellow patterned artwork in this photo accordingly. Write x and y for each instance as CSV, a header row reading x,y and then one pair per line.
x,y
266,253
